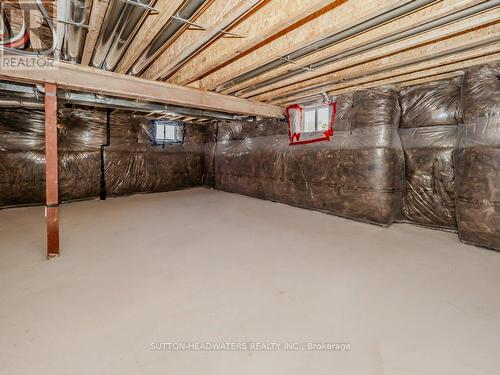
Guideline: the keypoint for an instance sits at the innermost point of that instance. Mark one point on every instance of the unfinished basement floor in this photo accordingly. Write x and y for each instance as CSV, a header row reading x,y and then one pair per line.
x,y
207,266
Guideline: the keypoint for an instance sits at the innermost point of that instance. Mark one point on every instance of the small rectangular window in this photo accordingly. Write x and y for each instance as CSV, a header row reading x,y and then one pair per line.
x,y
168,132
323,118
309,121
316,119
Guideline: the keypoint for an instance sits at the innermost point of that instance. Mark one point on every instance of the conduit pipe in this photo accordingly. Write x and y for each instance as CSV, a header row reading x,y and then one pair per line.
x,y
379,43
327,42
186,12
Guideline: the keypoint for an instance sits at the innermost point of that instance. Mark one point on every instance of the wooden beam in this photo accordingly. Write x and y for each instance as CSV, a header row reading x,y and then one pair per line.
x,y
420,17
86,79
148,31
431,75
215,19
97,14
363,66
339,19
412,72
271,21
437,77
51,171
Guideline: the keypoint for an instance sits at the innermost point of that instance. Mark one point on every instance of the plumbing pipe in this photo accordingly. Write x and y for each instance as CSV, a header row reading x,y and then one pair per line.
x,y
167,35
74,41
379,43
120,24
328,41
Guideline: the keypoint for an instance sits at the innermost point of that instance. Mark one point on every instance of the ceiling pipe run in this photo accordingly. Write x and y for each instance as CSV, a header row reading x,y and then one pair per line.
x,y
378,43
20,104
186,12
327,42
62,8
121,22
35,94
489,42
74,39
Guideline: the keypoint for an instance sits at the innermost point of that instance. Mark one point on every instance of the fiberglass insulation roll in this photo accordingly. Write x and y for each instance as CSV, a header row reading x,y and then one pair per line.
x,y
134,165
429,118
357,174
478,159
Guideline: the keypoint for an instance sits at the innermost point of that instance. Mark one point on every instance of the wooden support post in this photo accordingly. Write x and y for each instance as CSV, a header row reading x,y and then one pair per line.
x,y
51,171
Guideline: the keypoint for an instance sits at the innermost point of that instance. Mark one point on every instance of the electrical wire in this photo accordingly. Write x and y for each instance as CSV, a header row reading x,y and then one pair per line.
x,y
48,20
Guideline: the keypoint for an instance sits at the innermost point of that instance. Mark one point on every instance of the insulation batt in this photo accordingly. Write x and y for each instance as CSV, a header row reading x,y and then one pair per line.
x,y
429,119
478,159
357,174
431,104
132,163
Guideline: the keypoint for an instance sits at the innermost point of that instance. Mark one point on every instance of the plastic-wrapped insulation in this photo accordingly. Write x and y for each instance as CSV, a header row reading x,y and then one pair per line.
x,y
22,157
132,162
357,174
429,197
429,119
481,92
431,104
478,159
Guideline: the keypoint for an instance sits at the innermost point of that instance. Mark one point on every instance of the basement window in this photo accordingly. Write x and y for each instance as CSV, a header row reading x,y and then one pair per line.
x,y
311,124
316,119
167,132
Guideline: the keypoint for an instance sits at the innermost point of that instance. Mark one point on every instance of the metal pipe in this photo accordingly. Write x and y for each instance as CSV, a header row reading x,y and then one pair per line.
x,y
34,94
75,34
491,41
379,43
62,13
20,104
167,35
328,41
120,24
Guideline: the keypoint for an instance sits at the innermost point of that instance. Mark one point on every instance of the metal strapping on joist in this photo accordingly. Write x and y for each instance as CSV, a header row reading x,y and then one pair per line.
x,y
151,9
193,25
229,34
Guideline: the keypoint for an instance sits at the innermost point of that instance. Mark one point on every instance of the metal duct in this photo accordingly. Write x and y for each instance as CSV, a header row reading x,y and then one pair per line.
x,y
29,94
328,41
379,43
120,24
74,40
164,38
62,14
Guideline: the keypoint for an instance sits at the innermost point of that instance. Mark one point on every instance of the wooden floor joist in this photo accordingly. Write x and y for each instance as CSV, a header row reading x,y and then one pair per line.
x,y
303,36
412,73
365,67
97,13
395,27
216,19
86,79
151,27
273,20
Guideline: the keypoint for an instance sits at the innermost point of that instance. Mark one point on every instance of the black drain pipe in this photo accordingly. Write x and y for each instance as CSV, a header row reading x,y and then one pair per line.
x,y
108,141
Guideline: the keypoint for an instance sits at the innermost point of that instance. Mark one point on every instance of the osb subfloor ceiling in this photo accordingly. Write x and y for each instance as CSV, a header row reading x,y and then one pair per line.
x,y
276,51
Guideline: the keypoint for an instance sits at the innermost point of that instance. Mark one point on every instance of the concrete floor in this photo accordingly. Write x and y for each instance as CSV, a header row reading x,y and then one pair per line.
x,y
207,266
